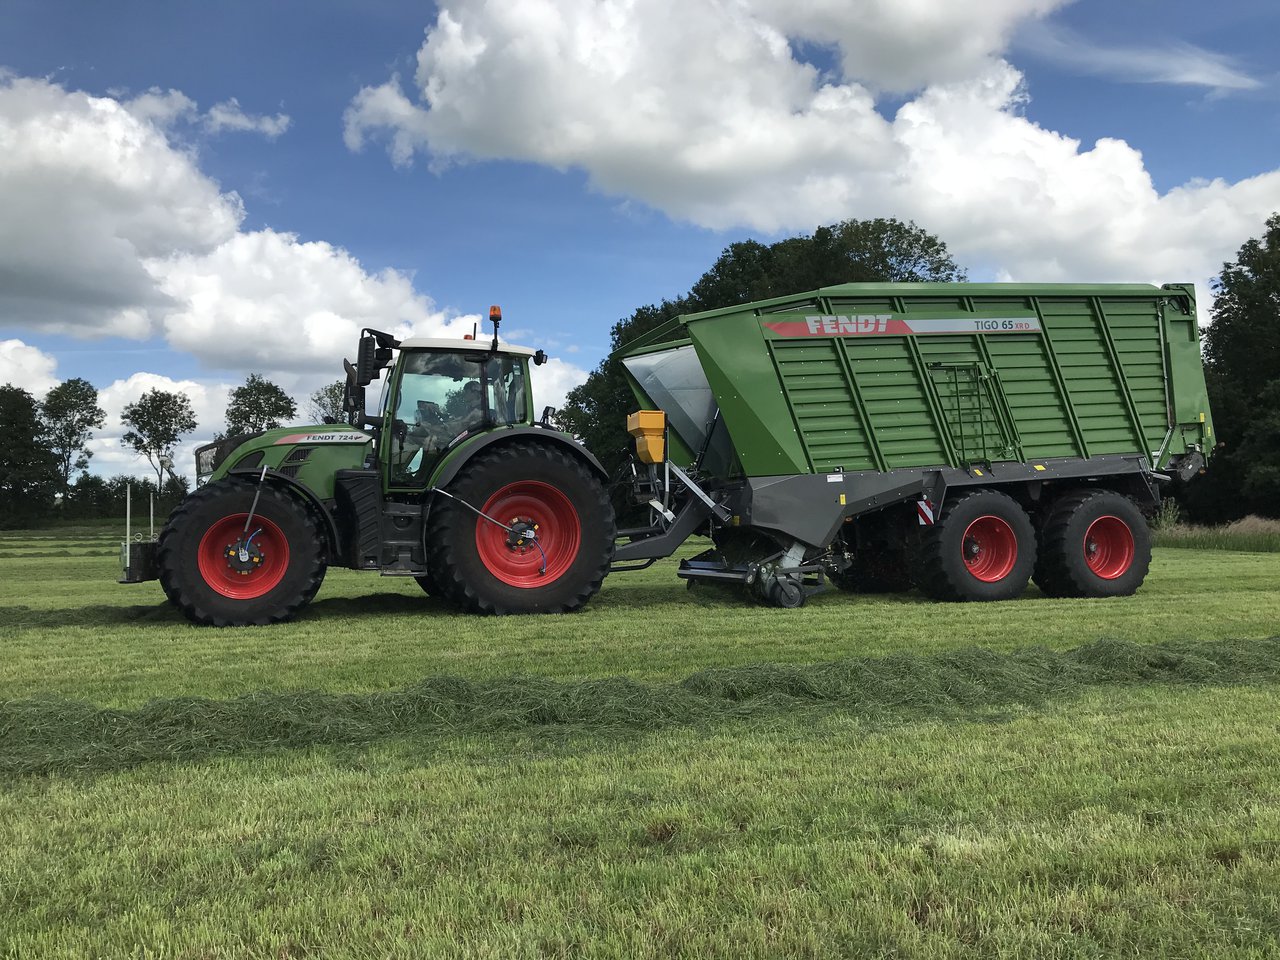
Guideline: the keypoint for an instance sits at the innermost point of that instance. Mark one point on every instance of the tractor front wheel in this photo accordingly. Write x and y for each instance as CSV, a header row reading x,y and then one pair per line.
x,y
221,574
541,542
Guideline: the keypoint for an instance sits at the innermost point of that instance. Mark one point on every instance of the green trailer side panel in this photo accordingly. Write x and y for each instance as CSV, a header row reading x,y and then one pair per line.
x,y
1035,400
867,377
824,405
752,400
1135,331
1094,389
1186,374
896,395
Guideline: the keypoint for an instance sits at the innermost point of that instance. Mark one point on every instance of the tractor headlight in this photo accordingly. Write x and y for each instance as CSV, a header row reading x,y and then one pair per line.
x,y
210,456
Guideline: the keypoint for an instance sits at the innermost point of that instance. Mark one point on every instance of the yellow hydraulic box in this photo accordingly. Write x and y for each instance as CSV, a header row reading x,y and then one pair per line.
x,y
649,427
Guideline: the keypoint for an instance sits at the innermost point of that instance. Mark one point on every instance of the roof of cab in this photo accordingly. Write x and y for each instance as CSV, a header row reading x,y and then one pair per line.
x,y
450,343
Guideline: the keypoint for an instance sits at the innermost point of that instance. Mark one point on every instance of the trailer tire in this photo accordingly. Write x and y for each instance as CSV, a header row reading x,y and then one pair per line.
x,y
481,567
286,556
1094,543
982,547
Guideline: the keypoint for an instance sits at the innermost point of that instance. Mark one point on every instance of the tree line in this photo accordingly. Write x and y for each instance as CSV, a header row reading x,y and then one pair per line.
x,y
45,457
1241,345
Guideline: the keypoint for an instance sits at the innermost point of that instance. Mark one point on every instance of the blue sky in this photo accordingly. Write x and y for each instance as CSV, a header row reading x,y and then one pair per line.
x,y
574,160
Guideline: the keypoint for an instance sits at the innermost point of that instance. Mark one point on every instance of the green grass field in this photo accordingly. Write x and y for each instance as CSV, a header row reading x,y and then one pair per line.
x,y
666,773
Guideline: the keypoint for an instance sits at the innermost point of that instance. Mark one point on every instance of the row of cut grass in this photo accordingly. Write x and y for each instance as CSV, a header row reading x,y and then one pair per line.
x,y
71,631
46,736
1130,822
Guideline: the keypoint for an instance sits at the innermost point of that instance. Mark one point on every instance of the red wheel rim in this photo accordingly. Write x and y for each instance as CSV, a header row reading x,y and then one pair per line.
x,y
1108,547
989,548
268,553
557,527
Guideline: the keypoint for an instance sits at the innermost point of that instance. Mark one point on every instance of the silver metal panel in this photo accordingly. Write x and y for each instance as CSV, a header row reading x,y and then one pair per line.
x,y
675,381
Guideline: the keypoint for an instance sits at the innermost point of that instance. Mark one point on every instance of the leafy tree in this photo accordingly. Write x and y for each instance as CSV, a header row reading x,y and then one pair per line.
x,y
28,470
1242,369
258,405
851,251
156,421
327,403
70,413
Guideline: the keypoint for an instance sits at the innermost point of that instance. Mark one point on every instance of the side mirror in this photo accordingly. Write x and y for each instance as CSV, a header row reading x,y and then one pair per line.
x,y
540,358
370,360
353,394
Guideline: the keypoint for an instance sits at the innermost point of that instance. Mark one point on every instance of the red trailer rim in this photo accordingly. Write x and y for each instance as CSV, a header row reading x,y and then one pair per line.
x,y
554,521
989,548
265,559
1108,547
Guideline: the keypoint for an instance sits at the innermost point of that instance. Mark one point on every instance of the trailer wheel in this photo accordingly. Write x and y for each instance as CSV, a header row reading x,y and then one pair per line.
x,y
1095,543
554,546
982,547
216,579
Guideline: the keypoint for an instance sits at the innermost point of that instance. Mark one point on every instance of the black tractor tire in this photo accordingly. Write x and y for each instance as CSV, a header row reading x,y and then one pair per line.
x,y
430,584
982,547
479,567
1094,543
211,588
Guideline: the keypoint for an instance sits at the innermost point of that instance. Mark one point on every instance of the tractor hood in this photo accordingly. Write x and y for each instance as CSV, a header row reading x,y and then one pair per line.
x,y
303,453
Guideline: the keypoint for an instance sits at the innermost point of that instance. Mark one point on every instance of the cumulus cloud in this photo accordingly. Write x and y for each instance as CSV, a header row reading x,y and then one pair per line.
x,y
229,115
552,382
90,192
23,365
110,227
267,300
708,111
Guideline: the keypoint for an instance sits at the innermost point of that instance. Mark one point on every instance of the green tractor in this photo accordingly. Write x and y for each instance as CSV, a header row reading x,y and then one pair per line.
x,y
452,482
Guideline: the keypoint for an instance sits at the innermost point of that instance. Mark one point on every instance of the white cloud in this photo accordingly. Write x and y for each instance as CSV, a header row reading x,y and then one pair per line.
x,y
229,115
265,300
28,367
161,107
703,109
552,381
109,227
111,456
90,192
1175,63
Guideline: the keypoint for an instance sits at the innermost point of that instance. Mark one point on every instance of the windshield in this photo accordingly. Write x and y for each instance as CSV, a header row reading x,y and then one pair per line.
x,y
444,396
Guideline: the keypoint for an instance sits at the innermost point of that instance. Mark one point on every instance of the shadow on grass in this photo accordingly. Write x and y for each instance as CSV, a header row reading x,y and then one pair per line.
x,y
57,736
20,617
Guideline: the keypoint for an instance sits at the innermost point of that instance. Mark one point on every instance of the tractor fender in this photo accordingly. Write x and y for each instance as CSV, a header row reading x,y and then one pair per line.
x,y
454,463
305,493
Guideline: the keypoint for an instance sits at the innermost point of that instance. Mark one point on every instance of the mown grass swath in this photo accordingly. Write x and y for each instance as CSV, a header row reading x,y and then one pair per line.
x,y
672,773
59,736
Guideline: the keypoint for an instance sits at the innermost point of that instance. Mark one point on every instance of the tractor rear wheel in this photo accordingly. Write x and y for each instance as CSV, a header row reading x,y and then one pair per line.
x,y
982,547
1095,543
218,575
552,543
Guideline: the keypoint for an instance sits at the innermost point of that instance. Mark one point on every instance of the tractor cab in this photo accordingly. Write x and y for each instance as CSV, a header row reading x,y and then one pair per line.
x,y
438,392
441,392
